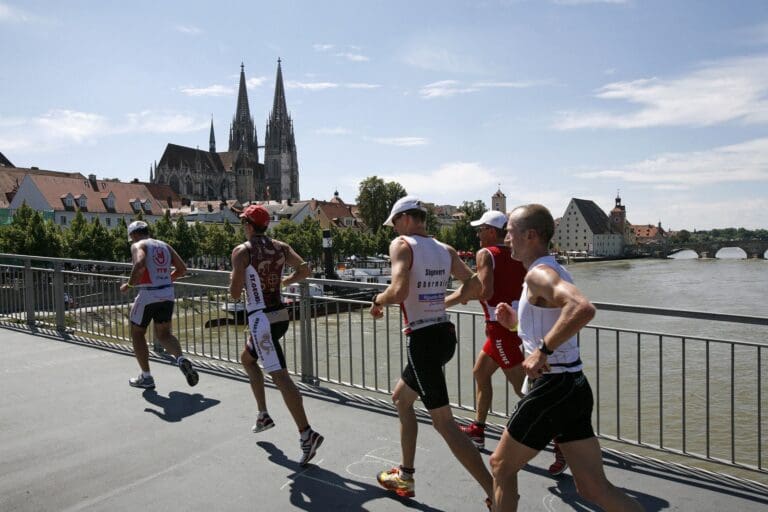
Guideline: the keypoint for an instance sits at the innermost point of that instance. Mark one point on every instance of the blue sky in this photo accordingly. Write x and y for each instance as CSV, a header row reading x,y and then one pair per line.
x,y
666,101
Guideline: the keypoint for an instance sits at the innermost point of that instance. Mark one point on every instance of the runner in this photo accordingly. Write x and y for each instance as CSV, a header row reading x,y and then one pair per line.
x,y
153,278
258,265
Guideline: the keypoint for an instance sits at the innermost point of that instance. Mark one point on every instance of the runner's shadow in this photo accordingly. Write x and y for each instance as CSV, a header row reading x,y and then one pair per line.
x,y
316,489
177,405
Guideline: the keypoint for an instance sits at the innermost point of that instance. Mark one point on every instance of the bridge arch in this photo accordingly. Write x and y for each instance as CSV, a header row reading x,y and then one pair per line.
x,y
731,253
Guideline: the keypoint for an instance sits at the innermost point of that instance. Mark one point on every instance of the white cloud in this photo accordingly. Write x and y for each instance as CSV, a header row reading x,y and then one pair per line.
x,y
744,162
437,56
451,183
444,89
399,141
256,81
358,85
310,86
332,131
211,90
717,92
320,47
61,128
11,14
188,29
353,57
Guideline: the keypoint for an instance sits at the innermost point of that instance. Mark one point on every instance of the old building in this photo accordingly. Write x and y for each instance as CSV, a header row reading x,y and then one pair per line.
x,y
586,228
238,173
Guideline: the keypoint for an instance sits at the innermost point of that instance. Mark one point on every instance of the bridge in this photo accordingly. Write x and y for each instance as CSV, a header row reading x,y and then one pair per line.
x,y
753,248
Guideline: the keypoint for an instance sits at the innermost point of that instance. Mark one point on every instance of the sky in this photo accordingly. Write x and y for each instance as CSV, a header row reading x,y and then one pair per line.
x,y
664,102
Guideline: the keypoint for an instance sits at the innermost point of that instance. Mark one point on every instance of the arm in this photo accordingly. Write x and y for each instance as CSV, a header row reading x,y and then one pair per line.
x,y
479,286
401,257
139,257
179,267
301,268
547,289
237,278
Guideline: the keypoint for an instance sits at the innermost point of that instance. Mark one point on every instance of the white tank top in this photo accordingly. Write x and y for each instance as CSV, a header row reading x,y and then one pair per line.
x,y
534,322
156,278
430,275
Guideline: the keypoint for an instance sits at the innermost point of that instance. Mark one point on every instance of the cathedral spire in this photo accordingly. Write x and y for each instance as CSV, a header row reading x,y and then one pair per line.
x,y
279,108
212,139
242,132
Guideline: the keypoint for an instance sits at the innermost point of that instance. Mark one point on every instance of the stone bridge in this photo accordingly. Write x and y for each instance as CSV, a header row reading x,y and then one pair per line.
x,y
753,248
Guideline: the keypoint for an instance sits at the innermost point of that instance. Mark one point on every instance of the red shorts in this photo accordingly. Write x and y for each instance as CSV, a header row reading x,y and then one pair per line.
x,y
502,345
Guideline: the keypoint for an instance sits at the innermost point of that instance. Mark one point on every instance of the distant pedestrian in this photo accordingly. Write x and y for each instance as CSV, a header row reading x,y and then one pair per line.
x,y
421,271
559,405
258,265
152,277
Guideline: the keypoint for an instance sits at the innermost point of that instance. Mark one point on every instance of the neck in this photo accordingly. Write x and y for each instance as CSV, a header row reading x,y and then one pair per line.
x,y
529,259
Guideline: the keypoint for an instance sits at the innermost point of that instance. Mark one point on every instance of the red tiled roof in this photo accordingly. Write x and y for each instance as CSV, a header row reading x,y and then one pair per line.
x,y
11,178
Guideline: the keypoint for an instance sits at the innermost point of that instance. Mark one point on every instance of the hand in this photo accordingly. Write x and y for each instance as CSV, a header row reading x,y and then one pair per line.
x,y
535,364
124,287
506,315
376,311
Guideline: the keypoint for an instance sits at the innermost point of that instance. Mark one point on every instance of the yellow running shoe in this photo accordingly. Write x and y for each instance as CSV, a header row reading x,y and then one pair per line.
x,y
391,480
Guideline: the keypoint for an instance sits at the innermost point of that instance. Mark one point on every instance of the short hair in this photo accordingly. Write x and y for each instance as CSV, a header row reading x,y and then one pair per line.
x,y
417,214
537,218
141,231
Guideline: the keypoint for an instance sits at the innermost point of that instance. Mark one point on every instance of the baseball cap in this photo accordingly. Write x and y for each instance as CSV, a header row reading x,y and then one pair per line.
x,y
136,225
403,205
257,215
492,218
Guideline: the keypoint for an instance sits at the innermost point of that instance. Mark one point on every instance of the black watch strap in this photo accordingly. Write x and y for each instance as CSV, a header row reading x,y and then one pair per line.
x,y
545,350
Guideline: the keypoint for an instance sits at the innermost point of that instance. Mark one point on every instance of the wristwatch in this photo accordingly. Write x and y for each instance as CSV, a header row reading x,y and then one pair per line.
x,y
543,348
375,302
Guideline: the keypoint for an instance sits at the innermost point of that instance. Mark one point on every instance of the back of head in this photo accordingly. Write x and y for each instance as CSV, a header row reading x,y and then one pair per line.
x,y
537,218
139,227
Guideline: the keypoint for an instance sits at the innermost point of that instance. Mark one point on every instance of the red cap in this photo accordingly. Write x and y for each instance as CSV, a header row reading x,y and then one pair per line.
x,y
257,215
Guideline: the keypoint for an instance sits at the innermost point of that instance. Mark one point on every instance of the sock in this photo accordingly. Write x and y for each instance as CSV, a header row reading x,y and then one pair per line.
x,y
263,414
305,433
179,360
146,374
407,473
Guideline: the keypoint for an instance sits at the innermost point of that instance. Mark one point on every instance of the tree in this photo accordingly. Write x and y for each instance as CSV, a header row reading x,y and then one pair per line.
x,y
29,234
121,246
462,235
375,199
99,241
187,243
164,230
76,238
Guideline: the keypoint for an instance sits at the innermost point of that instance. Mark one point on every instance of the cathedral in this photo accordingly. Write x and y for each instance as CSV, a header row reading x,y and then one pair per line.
x,y
237,173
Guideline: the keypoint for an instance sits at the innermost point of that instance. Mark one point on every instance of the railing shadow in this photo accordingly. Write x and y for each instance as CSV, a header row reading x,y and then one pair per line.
x,y
177,405
314,487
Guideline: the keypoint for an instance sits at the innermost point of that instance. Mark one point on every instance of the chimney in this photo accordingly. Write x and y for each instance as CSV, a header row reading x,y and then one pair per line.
x,y
92,180
170,202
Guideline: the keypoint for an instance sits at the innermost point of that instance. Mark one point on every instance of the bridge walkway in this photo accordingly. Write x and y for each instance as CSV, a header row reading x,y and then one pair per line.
x,y
75,437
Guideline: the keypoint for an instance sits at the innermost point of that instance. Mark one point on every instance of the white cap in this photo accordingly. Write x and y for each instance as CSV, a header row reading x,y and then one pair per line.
x,y
492,218
135,226
403,205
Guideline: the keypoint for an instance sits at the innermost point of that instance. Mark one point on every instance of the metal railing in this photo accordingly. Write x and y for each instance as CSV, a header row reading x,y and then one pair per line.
x,y
690,395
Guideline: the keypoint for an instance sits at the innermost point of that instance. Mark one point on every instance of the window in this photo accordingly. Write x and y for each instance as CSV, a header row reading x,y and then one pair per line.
x,y
82,201
63,220
109,221
68,201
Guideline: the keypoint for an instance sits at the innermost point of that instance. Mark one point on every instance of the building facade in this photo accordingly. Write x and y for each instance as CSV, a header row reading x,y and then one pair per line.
x,y
237,173
586,228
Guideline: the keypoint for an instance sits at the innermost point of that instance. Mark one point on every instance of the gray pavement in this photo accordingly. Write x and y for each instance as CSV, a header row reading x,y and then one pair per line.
x,y
74,436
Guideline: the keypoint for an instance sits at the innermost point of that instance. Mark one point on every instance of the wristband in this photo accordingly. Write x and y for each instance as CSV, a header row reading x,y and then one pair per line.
x,y
544,350
129,285
375,302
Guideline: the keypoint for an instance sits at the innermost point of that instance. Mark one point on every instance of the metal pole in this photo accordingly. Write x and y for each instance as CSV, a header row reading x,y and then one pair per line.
x,y
29,292
305,331
58,294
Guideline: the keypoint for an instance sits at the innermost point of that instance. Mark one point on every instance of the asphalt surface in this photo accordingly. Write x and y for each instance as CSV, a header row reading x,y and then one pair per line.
x,y
74,436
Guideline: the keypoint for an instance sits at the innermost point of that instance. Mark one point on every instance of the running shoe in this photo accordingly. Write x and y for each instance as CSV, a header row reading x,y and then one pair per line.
x,y
475,433
560,464
142,382
263,423
391,481
189,372
309,447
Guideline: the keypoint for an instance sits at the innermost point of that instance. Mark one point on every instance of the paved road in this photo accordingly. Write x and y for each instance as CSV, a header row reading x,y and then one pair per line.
x,y
74,436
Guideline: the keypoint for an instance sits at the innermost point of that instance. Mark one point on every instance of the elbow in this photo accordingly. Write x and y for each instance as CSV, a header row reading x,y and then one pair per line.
x,y
586,311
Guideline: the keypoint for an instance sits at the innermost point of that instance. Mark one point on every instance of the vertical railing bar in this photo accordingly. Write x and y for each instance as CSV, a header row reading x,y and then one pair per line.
x,y
707,395
639,394
458,357
759,411
661,394
682,362
597,375
733,403
618,388
362,347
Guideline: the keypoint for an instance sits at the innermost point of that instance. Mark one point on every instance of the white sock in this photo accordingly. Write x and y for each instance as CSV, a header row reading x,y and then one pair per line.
x,y
305,434
146,374
263,414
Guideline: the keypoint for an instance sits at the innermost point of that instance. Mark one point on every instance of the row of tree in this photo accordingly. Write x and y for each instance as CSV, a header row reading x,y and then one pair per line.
x,y
719,235
29,233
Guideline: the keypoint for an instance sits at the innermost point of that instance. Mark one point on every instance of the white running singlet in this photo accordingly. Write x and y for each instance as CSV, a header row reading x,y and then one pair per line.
x,y
430,275
155,283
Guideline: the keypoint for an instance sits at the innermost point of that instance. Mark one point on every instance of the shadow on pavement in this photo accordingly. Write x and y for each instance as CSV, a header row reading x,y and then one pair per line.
x,y
177,405
316,489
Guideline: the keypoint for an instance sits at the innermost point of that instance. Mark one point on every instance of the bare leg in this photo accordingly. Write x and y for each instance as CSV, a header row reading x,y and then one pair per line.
x,y
516,376
586,461
140,350
506,462
255,378
462,447
166,338
403,397
291,397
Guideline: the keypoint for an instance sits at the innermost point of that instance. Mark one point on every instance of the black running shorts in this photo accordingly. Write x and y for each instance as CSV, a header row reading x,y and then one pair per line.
x,y
558,406
160,312
428,349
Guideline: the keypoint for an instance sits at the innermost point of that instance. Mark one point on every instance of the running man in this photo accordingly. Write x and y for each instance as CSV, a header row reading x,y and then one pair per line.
x,y
421,271
258,265
559,404
501,280
153,278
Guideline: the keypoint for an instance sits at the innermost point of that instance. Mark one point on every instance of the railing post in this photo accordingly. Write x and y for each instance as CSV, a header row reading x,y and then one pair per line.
x,y
58,294
305,331
29,292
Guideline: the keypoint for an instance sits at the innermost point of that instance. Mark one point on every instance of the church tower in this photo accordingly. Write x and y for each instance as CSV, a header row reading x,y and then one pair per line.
x,y
499,201
212,139
281,164
618,216
242,135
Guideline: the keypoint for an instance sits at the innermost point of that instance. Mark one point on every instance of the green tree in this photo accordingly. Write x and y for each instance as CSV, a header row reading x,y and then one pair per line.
x,y
121,246
164,230
76,238
187,243
29,234
99,241
462,235
375,199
